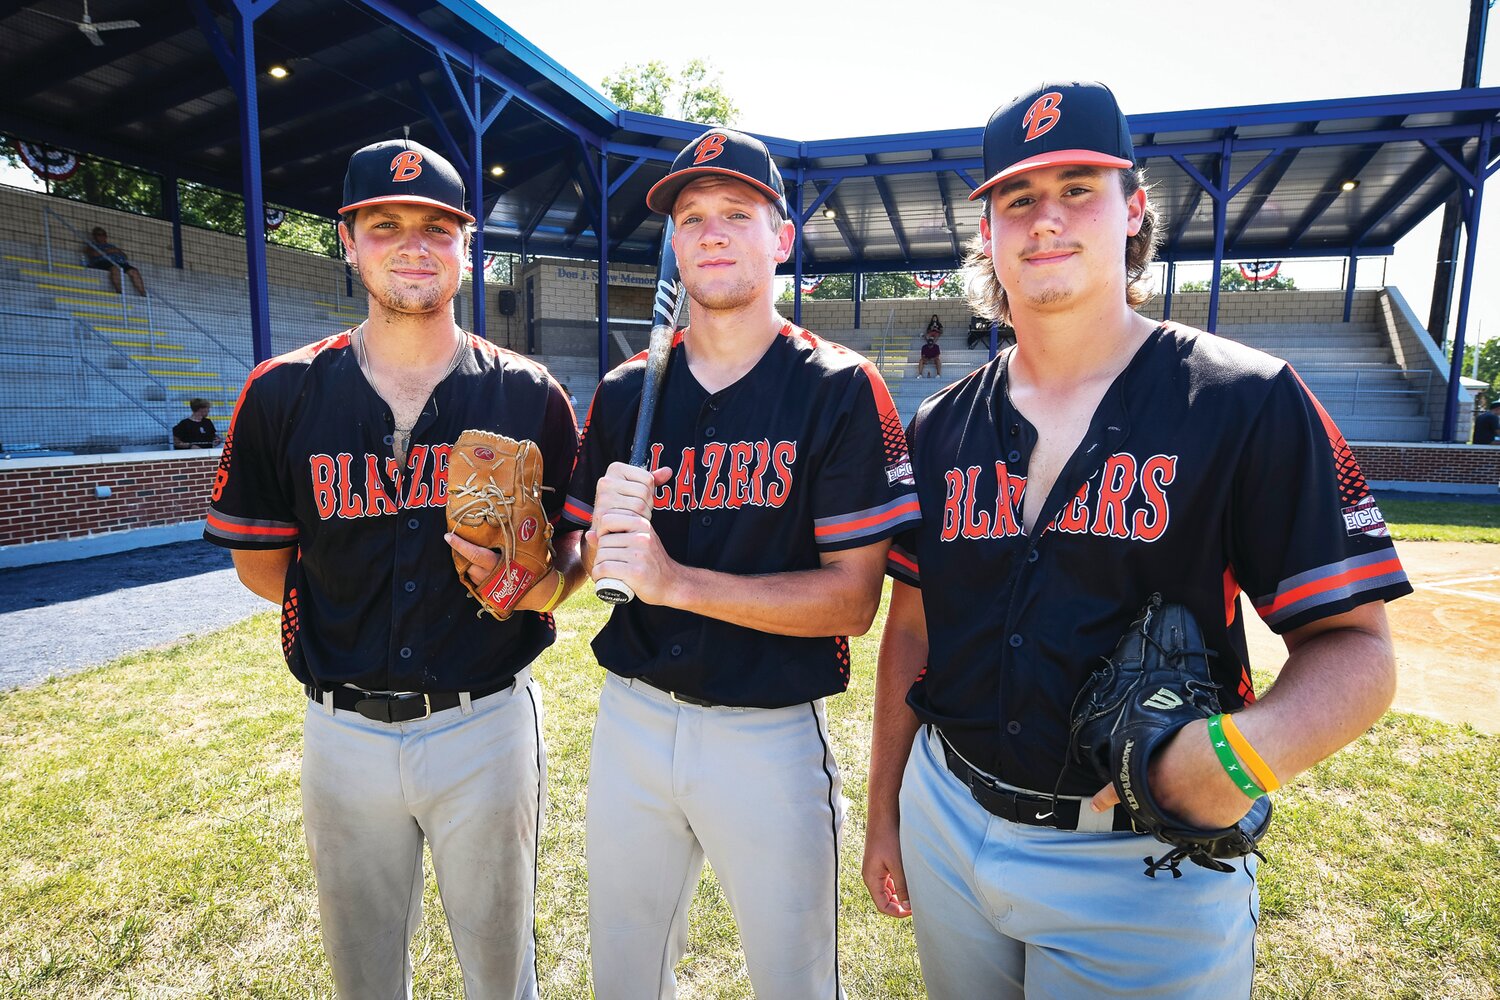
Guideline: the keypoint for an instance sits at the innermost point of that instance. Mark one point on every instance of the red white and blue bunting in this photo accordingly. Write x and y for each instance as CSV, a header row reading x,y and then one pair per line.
x,y
927,280
46,162
1260,270
810,283
274,218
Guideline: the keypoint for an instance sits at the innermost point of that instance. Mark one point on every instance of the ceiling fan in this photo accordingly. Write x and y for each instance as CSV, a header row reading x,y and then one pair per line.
x,y
89,26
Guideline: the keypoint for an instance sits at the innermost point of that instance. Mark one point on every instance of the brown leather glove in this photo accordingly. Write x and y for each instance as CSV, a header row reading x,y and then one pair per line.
x,y
495,500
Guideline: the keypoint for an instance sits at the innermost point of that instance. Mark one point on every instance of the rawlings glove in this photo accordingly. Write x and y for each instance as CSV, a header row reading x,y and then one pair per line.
x,y
1156,682
495,500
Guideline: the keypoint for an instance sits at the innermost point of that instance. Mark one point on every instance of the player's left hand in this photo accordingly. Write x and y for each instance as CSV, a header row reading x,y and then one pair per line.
x,y
1189,782
485,560
627,549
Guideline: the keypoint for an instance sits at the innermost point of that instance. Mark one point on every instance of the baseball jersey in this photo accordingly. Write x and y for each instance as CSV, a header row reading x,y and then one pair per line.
x,y
372,598
1208,469
804,454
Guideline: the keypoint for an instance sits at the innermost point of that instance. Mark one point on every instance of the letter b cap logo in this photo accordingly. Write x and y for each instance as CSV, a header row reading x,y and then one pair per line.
x,y
711,146
1045,112
407,165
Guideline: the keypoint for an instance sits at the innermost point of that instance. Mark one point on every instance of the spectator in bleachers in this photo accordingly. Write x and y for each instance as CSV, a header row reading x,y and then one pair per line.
x,y
104,255
934,327
931,355
196,431
1487,425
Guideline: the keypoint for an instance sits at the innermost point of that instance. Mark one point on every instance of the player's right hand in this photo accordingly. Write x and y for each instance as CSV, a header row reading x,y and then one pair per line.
x,y
626,488
884,876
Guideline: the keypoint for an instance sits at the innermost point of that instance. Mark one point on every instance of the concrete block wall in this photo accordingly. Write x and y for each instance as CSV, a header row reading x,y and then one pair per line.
x,y
47,499
1191,308
1413,348
911,315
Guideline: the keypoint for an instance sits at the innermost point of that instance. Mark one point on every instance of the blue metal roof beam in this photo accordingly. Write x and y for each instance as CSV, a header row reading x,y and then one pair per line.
x,y
891,214
1433,203
842,224
418,29
1267,183
1407,185
1349,168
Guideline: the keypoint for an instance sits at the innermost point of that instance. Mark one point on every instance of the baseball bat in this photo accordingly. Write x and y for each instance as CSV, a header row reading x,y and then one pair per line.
x,y
664,313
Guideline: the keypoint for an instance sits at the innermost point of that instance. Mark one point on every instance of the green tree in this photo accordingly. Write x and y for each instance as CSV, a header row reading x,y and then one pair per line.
x,y
881,285
695,94
1489,364
1231,280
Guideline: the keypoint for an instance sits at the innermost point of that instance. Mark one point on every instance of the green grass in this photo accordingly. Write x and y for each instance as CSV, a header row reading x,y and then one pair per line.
x,y
1439,521
153,846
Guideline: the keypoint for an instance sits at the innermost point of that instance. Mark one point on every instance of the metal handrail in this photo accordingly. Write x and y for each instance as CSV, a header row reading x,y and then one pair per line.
x,y
150,299
885,339
128,396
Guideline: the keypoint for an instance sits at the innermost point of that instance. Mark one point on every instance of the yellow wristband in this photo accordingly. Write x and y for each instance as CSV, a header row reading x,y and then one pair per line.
x,y
1252,760
557,594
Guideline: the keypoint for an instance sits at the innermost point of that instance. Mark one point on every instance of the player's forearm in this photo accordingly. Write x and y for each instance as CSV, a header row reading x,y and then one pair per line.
x,y
1332,688
903,653
263,571
829,600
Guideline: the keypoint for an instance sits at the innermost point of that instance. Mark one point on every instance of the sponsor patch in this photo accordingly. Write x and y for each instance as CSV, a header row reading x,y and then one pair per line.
x,y
900,473
1364,518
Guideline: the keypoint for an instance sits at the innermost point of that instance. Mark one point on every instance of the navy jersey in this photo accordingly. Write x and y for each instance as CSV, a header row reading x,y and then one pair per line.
x,y
804,454
1208,469
372,598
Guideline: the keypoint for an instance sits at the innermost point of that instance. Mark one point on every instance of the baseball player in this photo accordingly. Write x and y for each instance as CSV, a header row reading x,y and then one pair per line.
x,y
1102,458
755,544
422,719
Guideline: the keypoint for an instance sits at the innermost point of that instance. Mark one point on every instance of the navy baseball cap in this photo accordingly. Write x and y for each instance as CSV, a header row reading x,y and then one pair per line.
x,y
726,153
402,172
1055,125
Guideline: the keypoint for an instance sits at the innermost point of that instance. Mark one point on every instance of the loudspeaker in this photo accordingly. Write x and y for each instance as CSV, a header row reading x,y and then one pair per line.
x,y
507,302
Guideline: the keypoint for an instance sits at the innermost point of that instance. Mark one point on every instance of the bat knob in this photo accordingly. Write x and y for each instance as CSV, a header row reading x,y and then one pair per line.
x,y
613,591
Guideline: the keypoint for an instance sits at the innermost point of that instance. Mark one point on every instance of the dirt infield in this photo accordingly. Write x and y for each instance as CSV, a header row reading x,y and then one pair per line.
x,y
1447,634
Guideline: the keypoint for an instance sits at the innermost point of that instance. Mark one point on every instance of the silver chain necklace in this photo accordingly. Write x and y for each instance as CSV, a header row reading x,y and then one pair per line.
x,y
400,436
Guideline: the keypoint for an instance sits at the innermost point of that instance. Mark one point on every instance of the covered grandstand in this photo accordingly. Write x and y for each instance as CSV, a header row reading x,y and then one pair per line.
x,y
558,175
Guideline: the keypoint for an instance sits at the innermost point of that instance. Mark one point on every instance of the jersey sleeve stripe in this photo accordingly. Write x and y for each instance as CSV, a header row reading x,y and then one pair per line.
x,y
1330,584
900,511
242,529
904,563
576,510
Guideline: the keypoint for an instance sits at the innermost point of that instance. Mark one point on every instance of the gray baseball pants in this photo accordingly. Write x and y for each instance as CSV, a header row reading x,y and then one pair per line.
x,y
758,792
471,781
1005,910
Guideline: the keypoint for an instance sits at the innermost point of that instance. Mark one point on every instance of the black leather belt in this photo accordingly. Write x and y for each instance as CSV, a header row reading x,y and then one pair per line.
x,y
1022,807
686,699
383,707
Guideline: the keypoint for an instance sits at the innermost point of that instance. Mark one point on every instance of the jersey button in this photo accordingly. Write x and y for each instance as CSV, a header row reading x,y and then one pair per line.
x,y
413,524
405,652
411,585
1015,429
1015,641
708,519
1014,728
1033,556
709,432
389,439
1013,457
676,651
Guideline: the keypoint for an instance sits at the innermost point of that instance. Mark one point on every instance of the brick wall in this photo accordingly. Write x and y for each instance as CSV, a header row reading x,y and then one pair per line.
x,y
48,499
1470,465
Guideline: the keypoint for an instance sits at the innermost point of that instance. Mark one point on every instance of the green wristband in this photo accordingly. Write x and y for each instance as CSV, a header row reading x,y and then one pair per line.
x,y
1225,752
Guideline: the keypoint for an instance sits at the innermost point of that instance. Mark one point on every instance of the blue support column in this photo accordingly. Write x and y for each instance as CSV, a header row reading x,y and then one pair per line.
x,y
476,203
1166,309
858,288
173,207
1461,329
1349,291
797,254
246,11
602,230
1221,208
